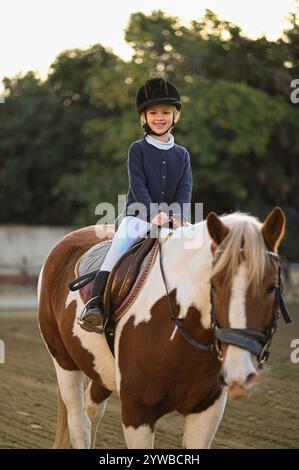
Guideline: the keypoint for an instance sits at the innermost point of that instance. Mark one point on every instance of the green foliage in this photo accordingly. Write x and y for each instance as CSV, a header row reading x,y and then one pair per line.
x,y
64,141
229,132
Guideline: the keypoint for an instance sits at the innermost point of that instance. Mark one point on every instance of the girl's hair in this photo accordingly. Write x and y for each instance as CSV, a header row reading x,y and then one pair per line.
x,y
177,114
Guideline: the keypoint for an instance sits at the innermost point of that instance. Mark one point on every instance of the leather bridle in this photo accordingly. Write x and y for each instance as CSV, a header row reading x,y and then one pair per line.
x,y
256,342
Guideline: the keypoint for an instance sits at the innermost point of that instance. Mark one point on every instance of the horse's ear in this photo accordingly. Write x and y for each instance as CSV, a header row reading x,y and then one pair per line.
x,y
217,230
273,228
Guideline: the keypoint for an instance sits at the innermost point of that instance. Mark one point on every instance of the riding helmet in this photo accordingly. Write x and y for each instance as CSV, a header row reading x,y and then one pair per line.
x,y
157,91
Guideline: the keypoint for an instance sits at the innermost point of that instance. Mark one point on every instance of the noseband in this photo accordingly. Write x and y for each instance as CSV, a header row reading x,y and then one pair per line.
x,y
254,341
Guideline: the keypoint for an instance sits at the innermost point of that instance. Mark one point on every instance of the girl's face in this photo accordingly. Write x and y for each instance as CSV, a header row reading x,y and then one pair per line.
x,y
160,117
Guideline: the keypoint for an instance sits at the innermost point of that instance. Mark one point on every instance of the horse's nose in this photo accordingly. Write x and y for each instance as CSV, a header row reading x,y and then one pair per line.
x,y
248,383
221,380
250,380
237,388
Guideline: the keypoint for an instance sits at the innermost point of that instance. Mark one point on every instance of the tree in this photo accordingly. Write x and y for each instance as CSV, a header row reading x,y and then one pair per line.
x,y
64,142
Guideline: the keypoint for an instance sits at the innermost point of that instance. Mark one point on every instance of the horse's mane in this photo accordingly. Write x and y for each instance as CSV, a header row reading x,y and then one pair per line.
x,y
245,233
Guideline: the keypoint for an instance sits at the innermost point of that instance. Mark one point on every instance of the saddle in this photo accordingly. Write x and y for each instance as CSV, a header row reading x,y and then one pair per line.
x,y
125,279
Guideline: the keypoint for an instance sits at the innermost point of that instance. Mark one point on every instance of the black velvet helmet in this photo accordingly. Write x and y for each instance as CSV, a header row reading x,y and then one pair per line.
x,y
157,91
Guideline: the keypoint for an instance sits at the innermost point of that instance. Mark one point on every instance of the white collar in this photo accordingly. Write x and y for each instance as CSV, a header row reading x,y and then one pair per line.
x,y
159,144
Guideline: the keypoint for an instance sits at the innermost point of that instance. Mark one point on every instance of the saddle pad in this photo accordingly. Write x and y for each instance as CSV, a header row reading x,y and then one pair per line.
x,y
93,259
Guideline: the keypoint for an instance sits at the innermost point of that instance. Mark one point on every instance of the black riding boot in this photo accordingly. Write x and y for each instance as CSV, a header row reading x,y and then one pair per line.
x,y
94,313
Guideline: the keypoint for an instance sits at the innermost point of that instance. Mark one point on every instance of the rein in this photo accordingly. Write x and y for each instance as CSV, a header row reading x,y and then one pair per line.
x,y
178,321
254,341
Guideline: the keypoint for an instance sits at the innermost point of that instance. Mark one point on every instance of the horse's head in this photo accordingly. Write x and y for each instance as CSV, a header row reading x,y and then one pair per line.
x,y
245,293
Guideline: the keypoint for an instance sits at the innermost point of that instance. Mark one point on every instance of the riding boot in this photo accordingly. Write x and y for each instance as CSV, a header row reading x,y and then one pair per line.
x,y
94,313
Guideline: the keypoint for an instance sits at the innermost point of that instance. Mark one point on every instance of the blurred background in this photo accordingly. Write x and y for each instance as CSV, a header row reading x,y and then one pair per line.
x,y
65,130
69,73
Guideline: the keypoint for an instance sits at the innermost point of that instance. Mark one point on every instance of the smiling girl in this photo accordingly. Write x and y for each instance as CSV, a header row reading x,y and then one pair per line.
x,y
159,175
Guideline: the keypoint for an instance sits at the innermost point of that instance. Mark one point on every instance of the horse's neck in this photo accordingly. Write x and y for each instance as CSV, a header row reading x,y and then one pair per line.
x,y
189,244
187,263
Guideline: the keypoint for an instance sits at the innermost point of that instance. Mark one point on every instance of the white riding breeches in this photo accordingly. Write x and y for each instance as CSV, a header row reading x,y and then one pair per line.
x,y
130,230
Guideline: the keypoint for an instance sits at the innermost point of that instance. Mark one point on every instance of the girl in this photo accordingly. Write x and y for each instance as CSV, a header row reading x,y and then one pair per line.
x,y
159,174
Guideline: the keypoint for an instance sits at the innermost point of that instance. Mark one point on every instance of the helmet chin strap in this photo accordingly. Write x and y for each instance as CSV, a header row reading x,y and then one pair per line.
x,y
149,130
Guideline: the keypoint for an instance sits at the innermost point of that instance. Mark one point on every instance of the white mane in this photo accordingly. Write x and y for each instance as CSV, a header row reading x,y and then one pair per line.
x,y
245,233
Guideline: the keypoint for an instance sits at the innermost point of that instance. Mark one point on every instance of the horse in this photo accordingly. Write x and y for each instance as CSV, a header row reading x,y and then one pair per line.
x,y
223,290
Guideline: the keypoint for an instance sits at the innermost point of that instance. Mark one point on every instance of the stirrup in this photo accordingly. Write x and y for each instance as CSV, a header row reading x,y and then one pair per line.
x,y
85,325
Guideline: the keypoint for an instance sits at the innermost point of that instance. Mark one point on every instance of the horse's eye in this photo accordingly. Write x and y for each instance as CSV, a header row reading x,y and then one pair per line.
x,y
270,289
213,288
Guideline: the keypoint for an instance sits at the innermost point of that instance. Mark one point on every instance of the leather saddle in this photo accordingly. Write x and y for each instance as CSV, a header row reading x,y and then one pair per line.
x,y
125,279
130,271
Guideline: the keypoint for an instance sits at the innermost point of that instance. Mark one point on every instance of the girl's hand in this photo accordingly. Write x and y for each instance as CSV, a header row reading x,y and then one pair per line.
x,y
160,219
176,222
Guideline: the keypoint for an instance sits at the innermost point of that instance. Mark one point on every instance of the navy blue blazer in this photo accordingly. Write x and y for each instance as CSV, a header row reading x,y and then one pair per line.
x,y
158,176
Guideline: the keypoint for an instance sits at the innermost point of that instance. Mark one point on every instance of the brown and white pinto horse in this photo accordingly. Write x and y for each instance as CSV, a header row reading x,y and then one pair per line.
x,y
156,370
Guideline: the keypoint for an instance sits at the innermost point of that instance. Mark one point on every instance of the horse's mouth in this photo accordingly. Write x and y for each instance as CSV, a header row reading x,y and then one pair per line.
x,y
240,391
237,391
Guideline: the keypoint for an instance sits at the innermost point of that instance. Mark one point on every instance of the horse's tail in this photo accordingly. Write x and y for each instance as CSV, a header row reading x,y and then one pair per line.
x,y
62,437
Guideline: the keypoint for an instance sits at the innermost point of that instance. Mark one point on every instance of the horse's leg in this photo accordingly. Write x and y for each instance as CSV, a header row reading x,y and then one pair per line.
x,y
200,428
96,397
71,386
138,426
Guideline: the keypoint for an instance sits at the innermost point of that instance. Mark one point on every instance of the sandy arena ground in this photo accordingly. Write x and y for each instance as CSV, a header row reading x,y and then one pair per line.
x,y
267,419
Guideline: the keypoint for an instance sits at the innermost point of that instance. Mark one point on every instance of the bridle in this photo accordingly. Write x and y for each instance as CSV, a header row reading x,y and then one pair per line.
x,y
254,341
